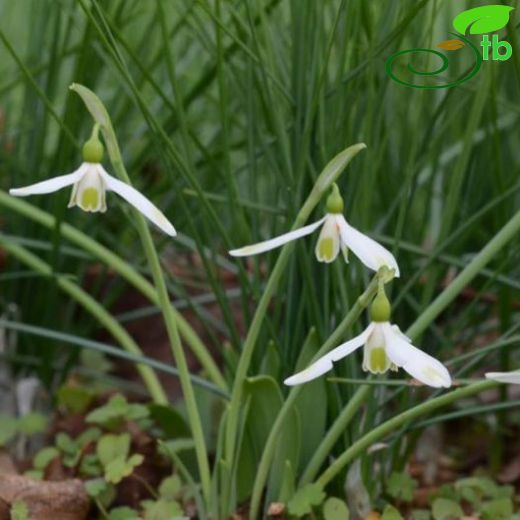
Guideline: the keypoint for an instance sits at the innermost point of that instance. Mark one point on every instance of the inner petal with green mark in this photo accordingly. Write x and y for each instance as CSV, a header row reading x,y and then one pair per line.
x,y
90,199
326,248
378,360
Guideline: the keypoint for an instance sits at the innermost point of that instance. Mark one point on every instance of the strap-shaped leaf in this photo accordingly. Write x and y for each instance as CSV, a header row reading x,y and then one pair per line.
x,y
484,19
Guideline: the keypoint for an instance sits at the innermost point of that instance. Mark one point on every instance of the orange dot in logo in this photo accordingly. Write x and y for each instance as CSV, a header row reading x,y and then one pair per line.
x,y
451,45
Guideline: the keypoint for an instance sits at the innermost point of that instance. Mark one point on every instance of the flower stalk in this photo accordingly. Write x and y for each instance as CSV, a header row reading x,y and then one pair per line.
x,y
101,116
329,175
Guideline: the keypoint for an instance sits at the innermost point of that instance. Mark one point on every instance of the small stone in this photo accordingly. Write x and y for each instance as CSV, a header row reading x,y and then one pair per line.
x,y
276,509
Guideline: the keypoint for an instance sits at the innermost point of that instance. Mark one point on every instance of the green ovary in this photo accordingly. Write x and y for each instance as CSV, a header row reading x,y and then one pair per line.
x,y
378,362
90,199
326,248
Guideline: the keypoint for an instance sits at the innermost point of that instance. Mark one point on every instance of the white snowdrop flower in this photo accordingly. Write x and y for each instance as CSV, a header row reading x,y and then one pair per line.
x,y
512,378
385,348
90,182
336,235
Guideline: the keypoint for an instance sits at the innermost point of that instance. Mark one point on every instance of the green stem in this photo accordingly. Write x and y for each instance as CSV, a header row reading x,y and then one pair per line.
x,y
100,115
325,180
148,375
175,341
381,431
124,269
336,430
272,441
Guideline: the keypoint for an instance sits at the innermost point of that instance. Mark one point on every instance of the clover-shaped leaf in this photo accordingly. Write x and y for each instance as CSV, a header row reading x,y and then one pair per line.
x,y
88,436
90,465
484,19
111,447
69,448
391,513
170,487
74,398
95,487
101,490
117,409
305,498
401,486
498,509
44,457
66,444
112,451
335,509
446,509
119,468
161,509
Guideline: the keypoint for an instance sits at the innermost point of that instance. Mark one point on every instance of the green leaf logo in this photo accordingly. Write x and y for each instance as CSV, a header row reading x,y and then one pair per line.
x,y
480,20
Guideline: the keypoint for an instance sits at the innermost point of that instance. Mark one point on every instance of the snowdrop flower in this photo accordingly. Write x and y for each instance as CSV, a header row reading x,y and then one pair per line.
x,y
90,182
385,348
505,377
336,234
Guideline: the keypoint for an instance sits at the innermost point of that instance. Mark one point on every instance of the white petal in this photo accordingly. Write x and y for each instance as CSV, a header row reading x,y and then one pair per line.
x,y
325,363
375,357
140,202
372,254
320,367
346,348
89,192
327,247
50,185
397,330
273,243
505,377
417,363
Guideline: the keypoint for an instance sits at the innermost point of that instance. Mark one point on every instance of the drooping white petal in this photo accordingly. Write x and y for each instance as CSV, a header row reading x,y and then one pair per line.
x,y
397,330
348,347
328,245
417,363
89,191
139,201
512,378
325,363
273,243
50,185
372,254
318,368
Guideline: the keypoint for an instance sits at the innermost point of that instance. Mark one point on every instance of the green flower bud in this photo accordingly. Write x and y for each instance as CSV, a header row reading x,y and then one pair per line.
x,y
335,201
93,149
380,309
